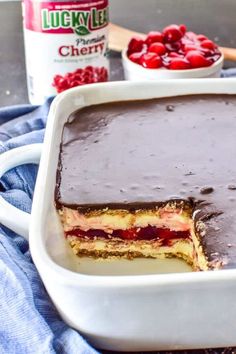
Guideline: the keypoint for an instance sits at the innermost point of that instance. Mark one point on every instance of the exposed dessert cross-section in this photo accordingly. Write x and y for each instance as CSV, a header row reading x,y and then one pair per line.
x,y
151,178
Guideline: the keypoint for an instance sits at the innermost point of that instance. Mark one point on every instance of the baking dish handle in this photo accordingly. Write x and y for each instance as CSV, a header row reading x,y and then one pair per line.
x,y
10,216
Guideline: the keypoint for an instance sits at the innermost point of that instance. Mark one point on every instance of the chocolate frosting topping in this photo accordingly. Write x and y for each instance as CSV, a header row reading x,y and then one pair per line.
x,y
139,153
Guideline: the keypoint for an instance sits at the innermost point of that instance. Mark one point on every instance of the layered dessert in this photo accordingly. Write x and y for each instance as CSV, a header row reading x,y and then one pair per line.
x,y
151,178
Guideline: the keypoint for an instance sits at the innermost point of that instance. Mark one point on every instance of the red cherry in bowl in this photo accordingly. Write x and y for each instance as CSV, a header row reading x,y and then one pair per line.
x,y
174,46
172,33
183,29
135,57
190,47
208,44
157,48
197,59
179,64
135,45
201,37
154,36
151,61
175,55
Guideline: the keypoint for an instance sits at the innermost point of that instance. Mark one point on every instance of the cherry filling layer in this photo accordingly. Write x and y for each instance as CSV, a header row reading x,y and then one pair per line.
x,y
146,233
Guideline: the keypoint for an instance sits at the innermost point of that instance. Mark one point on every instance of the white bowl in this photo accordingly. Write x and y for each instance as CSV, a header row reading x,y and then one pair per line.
x,y
129,312
136,72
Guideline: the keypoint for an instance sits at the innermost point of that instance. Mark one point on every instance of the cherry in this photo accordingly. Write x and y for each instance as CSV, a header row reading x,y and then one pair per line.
x,y
129,234
154,36
103,74
179,64
192,36
208,44
79,71
172,33
166,233
170,234
151,61
206,52
188,47
158,48
87,79
89,69
173,47
201,37
148,233
60,83
57,78
135,45
135,57
197,60
175,55
74,83
186,40
183,29
79,77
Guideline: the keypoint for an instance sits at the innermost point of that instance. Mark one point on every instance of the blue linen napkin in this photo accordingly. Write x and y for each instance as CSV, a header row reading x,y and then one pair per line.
x,y
29,322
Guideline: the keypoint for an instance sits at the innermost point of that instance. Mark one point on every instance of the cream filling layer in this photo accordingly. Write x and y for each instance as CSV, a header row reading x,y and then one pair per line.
x,y
147,248
184,249
173,219
179,248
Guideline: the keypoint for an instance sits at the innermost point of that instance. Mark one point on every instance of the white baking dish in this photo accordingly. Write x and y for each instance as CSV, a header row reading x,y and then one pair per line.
x,y
121,312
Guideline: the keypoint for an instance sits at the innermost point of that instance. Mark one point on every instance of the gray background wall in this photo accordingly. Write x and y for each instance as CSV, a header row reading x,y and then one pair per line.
x,y
215,18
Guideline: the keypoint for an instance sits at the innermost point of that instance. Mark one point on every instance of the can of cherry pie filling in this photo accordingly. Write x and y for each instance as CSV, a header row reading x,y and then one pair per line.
x,y
66,45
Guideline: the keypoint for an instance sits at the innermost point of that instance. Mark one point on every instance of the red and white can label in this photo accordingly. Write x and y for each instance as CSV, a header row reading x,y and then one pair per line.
x,y
65,45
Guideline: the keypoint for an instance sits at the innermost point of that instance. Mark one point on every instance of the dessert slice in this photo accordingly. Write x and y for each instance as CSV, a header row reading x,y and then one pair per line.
x,y
159,231
151,178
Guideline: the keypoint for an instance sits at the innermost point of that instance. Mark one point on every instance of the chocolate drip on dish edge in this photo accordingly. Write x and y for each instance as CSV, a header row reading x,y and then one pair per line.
x,y
139,154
